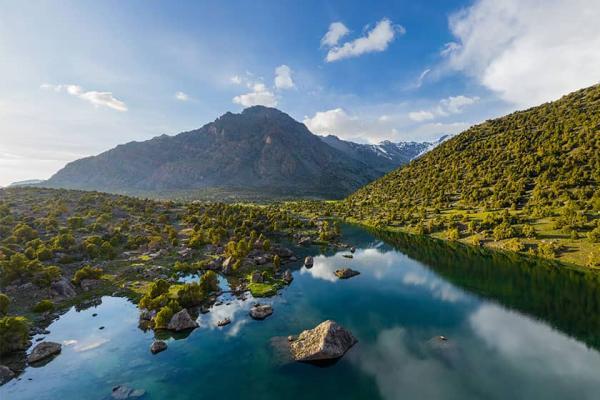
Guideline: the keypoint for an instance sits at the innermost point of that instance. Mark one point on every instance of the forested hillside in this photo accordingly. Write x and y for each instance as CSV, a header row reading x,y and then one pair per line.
x,y
531,174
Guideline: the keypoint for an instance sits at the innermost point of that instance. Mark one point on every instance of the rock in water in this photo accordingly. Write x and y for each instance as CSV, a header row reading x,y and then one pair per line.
x,y
182,321
261,311
223,322
43,351
308,262
123,392
345,273
158,346
287,276
327,341
6,374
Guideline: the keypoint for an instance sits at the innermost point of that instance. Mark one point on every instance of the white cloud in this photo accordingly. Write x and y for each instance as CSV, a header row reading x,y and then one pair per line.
x,y
528,51
105,99
336,31
419,82
335,121
376,40
182,96
420,116
283,77
447,106
260,95
236,80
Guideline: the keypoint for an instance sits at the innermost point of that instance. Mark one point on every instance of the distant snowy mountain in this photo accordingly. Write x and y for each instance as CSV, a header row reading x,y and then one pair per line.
x,y
384,156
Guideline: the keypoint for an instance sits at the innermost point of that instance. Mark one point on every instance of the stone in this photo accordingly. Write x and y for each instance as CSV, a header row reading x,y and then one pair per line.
x,y
256,277
287,276
261,260
89,284
293,258
283,252
228,265
6,374
223,322
309,262
304,241
182,321
327,341
158,346
352,249
123,392
63,288
345,273
348,255
261,311
42,351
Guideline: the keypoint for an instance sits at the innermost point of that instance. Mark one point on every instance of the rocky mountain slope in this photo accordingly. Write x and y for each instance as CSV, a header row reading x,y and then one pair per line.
x,y
260,148
384,156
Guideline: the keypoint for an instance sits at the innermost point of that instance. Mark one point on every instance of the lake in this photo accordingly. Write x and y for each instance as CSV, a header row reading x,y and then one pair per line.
x,y
515,328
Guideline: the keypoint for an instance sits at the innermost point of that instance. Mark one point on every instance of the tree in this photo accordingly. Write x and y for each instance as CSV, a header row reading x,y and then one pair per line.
x,y
4,303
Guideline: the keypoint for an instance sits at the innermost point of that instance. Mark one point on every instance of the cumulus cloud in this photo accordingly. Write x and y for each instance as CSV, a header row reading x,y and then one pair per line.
x,y
336,31
260,95
283,77
376,40
447,106
98,99
182,96
527,51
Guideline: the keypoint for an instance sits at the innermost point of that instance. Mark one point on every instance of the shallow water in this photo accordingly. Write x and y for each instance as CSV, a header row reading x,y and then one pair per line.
x,y
516,329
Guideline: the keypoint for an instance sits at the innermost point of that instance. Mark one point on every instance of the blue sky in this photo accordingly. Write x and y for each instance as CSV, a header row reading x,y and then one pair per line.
x,y
79,77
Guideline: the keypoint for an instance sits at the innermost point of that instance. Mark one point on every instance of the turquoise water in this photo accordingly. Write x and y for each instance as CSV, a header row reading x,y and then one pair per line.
x,y
516,329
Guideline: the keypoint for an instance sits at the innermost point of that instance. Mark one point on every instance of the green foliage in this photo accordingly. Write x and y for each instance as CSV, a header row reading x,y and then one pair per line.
x,y
453,234
594,235
4,303
514,245
14,334
163,316
46,275
529,231
549,249
190,295
503,231
209,282
43,306
87,272
276,263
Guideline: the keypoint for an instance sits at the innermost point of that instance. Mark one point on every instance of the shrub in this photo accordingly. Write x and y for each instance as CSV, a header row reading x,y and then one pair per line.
x,y
46,276
164,315
209,282
594,235
87,272
548,249
266,245
43,306
529,231
190,295
4,303
503,231
276,263
514,245
453,234
14,334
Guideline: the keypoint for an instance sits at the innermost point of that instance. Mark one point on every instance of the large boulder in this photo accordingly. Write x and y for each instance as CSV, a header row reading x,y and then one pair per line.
x,y
308,262
283,252
261,311
345,273
287,276
327,341
89,284
182,321
42,351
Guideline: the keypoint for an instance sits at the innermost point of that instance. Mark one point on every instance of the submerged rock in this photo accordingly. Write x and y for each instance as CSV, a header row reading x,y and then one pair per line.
x,y
43,351
304,241
308,262
327,341
223,322
182,321
261,311
123,392
6,374
345,273
158,346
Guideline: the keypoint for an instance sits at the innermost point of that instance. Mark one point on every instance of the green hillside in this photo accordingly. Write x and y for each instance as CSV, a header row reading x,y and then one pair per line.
x,y
525,182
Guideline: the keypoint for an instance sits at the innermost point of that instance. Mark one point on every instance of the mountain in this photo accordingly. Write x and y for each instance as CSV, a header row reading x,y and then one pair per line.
x,y
542,156
261,148
28,182
384,156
